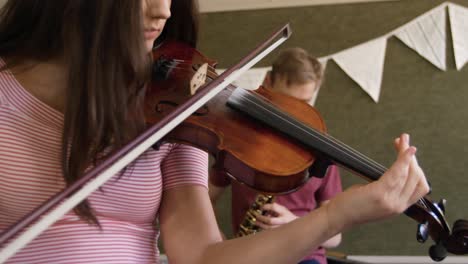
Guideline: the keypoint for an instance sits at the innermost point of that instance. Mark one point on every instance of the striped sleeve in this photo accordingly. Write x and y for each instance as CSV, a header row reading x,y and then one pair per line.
x,y
2,98
185,165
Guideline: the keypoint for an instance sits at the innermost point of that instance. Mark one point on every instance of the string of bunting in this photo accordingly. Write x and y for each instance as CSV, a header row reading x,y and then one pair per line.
x,y
364,63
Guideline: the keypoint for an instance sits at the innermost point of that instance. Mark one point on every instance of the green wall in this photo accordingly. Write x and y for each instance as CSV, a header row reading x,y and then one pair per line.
x,y
416,97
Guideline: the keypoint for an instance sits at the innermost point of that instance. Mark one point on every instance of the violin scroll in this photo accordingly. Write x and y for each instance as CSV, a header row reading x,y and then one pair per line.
x,y
457,242
432,223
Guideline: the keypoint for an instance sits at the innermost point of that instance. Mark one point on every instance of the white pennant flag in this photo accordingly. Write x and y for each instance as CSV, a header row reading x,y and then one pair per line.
x,y
314,97
426,35
323,61
251,79
364,64
459,26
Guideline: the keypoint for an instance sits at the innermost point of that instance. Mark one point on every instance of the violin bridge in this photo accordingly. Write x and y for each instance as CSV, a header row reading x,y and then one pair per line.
x,y
198,79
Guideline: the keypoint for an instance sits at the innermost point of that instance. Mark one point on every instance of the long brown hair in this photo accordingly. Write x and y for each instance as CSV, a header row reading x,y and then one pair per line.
x,y
102,45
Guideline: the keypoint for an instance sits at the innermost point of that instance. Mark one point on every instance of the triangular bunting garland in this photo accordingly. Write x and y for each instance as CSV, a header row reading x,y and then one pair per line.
x,y
314,97
251,79
459,27
324,62
364,64
427,36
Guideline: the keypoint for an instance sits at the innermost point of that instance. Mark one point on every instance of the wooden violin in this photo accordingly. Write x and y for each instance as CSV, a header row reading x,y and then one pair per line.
x,y
243,148
272,142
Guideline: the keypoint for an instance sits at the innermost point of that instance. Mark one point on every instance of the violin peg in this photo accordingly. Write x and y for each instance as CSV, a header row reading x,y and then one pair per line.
x,y
438,252
162,68
442,204
460,226
422,233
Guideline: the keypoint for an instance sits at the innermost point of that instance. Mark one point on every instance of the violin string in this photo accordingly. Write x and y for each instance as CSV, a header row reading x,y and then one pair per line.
x,y
329,141
184,63
320,136
170,66
177,61
371,163
324,137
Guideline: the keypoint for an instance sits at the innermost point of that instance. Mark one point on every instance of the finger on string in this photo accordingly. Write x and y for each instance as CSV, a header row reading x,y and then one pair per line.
x,y
403,143
415,175
420,190
415,161
414,166
397,175
422,187
396,143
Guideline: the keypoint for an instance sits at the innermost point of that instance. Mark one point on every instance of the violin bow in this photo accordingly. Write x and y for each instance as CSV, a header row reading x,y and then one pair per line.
x,y
58,205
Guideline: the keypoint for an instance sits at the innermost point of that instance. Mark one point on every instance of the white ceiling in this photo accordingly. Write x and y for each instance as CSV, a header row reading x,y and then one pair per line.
x,y
231,5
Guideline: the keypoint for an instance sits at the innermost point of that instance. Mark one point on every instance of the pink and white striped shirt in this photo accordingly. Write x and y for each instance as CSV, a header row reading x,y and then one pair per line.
x,y
126,206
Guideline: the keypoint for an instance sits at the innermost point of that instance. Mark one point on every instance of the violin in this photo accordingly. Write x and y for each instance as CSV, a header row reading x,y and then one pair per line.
x,y
243,148
270,141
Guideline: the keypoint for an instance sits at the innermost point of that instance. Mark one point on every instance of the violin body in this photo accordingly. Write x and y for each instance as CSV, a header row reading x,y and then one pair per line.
x,y
245,149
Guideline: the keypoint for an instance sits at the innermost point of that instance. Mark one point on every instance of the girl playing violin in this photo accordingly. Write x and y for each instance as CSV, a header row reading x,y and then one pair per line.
x,y
72,82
